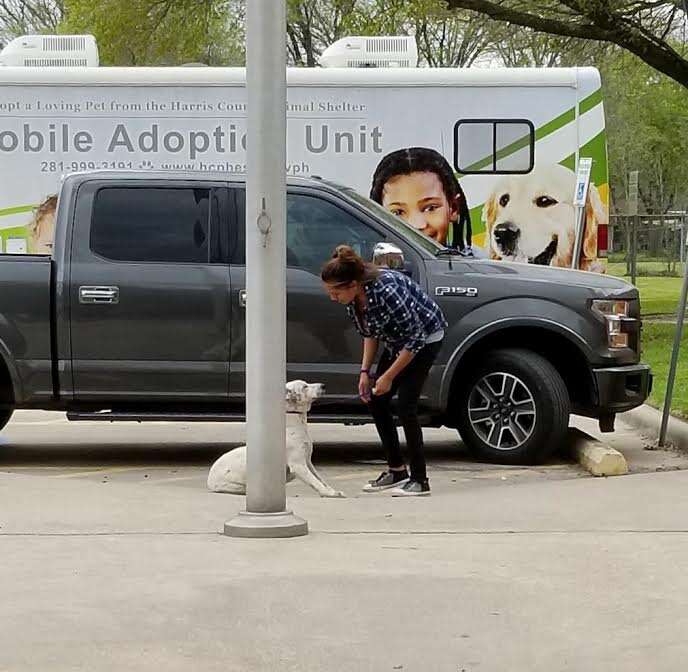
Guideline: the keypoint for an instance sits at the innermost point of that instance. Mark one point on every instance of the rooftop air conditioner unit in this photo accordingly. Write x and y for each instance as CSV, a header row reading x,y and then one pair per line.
x,y
44,51
371,52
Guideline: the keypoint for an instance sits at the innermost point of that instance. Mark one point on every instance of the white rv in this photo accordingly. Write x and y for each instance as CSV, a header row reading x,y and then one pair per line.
x,y
518,132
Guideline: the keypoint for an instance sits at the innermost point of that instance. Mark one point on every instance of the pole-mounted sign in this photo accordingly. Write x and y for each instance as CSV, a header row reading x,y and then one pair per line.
x,y
633,192
580,196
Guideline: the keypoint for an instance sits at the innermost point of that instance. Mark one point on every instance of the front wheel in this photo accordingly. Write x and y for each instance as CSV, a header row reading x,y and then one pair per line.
x,y
513,408
5,415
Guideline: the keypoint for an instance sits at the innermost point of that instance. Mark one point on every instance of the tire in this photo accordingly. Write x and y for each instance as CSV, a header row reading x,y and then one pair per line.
x,y
5,415
513,408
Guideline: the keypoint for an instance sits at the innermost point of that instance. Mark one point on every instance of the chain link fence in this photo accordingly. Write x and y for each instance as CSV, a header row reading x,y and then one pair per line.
x,y
648,245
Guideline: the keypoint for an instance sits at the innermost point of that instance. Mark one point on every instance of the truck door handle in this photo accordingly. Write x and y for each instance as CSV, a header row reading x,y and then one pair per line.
x,y
242,298
98,294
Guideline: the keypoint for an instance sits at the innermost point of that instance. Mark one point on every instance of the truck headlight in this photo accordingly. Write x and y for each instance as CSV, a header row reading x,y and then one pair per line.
x,y
615,313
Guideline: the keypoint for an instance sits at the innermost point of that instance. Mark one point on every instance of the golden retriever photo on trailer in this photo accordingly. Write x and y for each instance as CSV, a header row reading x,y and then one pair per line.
x,y
531,218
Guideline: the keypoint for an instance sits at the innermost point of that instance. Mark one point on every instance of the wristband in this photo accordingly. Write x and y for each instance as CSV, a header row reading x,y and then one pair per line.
x,y
365,370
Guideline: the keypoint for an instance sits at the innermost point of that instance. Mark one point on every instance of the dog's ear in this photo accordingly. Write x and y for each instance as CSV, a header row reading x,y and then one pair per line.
x,y
312,392
589,250
594,207
595,213
489,213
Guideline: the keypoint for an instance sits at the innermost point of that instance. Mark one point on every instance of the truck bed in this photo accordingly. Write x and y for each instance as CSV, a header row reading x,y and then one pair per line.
x,y
25,325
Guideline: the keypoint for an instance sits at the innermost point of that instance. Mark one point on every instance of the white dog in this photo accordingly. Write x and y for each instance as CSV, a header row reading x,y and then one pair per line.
x,y
228,473
531,218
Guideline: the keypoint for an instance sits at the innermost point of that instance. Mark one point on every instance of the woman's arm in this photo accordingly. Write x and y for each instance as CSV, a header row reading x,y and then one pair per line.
x,y
384,383
370,346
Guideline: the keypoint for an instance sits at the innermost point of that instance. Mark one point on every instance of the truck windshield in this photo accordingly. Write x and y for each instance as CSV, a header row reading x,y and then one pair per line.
x,y
395,222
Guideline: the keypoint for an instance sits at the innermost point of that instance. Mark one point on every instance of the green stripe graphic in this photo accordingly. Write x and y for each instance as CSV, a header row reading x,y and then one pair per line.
x,y
558,122
16,210
594,99
543,131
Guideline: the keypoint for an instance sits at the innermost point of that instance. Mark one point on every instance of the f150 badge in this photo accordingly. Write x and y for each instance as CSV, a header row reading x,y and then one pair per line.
x,y
456,291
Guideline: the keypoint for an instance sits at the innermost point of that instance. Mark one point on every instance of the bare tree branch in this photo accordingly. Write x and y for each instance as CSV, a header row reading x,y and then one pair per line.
x,y
593,20
21,17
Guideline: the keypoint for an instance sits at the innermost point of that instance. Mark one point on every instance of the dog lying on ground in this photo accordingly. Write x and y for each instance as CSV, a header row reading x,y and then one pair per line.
x,y
228,473
531,218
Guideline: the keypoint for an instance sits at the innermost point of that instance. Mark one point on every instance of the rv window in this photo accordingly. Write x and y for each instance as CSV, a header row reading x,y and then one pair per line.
x,y
151,224
494,146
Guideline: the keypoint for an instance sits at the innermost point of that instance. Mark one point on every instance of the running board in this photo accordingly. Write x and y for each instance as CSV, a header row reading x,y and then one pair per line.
x,y
121,416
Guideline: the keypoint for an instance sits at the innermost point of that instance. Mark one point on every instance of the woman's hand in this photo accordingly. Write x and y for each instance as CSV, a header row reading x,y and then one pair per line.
x,y
382,385
364,387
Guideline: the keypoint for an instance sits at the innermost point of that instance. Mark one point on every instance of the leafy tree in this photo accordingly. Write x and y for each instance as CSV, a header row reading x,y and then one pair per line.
x,y
444,38
647,129
518,47
653,30
312,25
161,32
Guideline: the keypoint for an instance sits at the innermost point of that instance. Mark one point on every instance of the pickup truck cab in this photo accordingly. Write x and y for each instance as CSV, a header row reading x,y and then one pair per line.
x,y
139,315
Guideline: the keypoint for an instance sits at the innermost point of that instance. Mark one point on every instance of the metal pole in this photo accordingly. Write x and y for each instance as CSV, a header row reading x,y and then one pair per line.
x,y
578,242
674,359
266,319
634,247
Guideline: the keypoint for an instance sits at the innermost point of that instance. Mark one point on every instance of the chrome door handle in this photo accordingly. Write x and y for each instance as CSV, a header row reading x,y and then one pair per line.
x,y
89,294
242,298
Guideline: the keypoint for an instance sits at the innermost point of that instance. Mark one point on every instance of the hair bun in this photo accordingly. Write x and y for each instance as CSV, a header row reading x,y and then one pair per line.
x,y
346,266
344,252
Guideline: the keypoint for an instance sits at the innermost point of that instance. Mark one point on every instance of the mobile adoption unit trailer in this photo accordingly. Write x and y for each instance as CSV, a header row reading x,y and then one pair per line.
x,y
513,137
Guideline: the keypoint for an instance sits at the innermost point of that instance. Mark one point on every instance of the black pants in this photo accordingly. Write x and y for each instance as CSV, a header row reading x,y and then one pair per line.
x,y
408,384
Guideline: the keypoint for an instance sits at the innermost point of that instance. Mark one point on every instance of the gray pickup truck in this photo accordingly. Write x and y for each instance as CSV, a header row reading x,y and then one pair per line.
x,y
139,315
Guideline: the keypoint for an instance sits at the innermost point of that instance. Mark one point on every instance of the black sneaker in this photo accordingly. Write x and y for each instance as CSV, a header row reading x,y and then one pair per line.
x,y
412,489
386,480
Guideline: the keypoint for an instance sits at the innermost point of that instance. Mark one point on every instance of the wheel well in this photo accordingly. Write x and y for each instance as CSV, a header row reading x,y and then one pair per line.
x,y
6,389
566,358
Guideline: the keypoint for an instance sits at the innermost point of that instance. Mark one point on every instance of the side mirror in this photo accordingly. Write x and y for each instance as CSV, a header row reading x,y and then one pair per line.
x,y
390,256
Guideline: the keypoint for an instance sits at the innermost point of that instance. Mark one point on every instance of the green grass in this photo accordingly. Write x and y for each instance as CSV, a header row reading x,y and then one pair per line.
x,y
658,340
644,268
658,296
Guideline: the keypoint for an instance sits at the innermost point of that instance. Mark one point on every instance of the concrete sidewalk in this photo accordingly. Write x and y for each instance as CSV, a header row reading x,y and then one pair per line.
x,y
584,574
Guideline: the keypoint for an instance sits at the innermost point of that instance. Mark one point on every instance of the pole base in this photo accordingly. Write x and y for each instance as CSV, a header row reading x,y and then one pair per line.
x,y
277,525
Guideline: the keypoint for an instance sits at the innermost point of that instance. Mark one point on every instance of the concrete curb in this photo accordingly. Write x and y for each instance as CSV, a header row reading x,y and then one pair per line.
x,y
648,420
596,457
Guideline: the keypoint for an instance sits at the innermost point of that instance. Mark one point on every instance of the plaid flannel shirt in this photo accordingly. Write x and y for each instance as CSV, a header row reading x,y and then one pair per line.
x,y
398,312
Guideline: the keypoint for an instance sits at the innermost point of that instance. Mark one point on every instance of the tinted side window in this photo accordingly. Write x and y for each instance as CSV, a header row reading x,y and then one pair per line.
x,y
314,228
151,224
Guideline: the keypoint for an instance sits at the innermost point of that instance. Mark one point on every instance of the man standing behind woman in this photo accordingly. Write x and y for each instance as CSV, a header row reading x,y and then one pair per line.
x,y
390,309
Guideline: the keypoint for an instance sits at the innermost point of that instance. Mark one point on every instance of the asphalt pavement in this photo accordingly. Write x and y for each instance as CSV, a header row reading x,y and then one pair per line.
x,y
113,559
